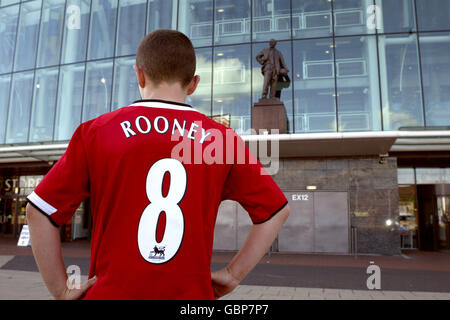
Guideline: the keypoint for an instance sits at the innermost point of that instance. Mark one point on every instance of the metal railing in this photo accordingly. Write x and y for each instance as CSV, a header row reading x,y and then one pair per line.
x,y
278,23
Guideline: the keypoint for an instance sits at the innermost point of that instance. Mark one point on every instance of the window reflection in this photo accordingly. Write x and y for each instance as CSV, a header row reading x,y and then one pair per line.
x,y
352,17
4,95
433,15
397,15
201,99
435,48
70,99
126,89
27,39
195,20
232,22
311,18
19,107
400,81
97,95
358,93
313,76
75,39
50,32
162,14
131,27
8,27
258,78
231,91
271,19
44,100
102,29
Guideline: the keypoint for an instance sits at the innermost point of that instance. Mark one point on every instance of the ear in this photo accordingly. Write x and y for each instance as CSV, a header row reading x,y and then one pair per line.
x,y
140,75
192,86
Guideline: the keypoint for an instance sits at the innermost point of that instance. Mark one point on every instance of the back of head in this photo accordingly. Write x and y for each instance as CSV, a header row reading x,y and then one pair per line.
x,y
167,56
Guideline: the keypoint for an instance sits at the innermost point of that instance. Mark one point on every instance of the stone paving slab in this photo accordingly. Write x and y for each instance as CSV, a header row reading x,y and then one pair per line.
x,y
24,285
5,259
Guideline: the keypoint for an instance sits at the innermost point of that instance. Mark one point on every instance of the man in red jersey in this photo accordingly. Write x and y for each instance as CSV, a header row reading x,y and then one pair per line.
x,y
153,214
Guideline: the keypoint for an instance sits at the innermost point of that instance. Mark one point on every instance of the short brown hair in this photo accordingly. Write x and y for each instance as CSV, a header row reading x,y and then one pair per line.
x,y
167,55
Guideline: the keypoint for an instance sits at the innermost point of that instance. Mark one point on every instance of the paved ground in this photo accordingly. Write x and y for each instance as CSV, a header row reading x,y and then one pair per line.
x,y
414,275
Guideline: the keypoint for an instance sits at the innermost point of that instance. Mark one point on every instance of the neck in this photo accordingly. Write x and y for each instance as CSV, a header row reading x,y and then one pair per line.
x,y
164,91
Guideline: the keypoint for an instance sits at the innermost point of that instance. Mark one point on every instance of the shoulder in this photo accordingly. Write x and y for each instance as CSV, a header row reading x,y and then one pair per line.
x,y
90,126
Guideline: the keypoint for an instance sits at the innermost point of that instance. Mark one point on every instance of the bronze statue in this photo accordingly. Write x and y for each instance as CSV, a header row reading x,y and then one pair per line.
x,y
274,70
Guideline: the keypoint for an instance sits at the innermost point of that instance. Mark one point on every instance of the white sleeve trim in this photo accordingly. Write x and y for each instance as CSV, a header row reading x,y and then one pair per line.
x,y
44,206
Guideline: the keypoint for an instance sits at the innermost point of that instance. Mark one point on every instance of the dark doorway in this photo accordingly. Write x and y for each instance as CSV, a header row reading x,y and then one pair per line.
x,y
434,224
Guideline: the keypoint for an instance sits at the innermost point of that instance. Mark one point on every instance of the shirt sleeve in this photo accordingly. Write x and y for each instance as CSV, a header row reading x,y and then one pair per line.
x,y
61,191
250,184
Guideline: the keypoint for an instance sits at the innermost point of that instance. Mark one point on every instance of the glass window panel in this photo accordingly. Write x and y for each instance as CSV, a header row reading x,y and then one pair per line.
x,y
4,95
432,176
358,93
52,22
131,27
8,27
97,95
102,29
19,107
126,88
396,15
433,15
44,101
406,176
232,86
434,49
258,79
201,99
351,17
311,18
271,19
313,77
75,31
400,81
162,14
27,40
70,100
8,2
195,21
232,22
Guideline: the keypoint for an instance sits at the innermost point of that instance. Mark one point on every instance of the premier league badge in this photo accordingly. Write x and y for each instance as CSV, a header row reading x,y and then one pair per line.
x,y
157,253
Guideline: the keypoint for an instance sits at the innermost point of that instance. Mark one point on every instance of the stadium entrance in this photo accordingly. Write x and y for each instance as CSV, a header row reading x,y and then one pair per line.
x,y
424,208
12,215
14,190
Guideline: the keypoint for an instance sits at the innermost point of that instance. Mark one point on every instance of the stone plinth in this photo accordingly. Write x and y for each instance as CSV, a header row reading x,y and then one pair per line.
x,y
269,114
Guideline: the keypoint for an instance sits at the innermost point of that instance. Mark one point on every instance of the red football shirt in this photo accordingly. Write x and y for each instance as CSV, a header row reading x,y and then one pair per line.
x,y
155,172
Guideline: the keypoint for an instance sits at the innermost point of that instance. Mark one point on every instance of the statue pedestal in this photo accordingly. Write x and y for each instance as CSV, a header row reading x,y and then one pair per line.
x,y
269,114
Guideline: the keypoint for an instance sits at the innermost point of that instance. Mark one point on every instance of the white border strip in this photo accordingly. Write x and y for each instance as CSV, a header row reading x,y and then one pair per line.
x,y
162,105
44,206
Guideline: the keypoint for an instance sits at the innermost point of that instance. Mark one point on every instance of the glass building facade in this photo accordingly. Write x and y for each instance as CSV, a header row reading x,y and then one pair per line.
x,y
355,65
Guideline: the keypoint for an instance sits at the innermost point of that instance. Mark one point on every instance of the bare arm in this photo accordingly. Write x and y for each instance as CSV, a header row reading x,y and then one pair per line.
x,y
46,246
258,242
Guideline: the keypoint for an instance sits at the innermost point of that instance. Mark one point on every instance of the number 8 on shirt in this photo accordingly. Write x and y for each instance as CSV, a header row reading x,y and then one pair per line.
x,y
174,231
